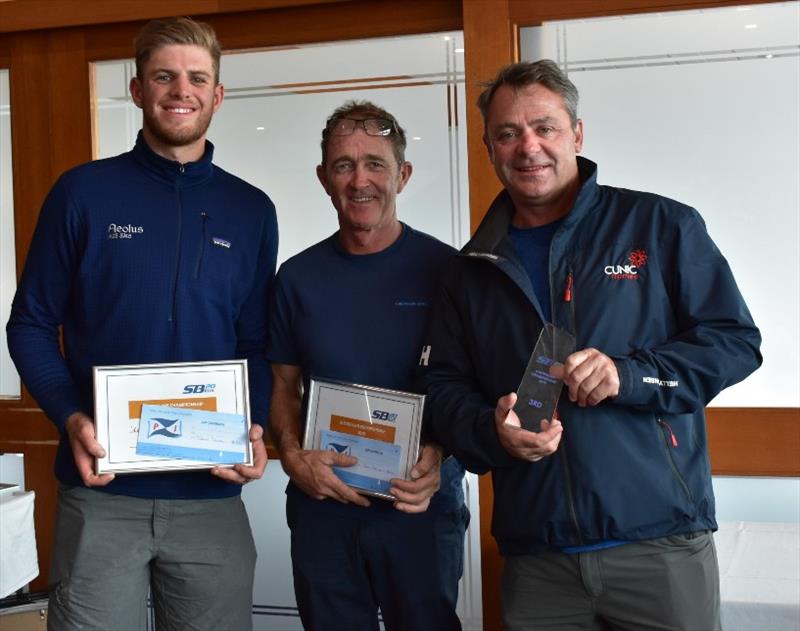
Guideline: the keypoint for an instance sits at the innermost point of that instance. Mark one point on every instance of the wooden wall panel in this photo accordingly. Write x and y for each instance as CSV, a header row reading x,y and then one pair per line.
x,y
353,20
490,42
70,112
754,441
30,133
5,51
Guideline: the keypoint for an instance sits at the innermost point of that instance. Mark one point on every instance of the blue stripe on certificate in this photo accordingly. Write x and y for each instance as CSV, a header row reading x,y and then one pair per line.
x,y
378,462
362,481
186,434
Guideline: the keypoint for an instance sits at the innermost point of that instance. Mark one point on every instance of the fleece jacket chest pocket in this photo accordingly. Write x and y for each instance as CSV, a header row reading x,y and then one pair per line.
x,y
215,260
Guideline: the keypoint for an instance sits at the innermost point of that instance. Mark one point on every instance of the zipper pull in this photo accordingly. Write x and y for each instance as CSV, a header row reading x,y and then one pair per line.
x,y
568,289
671,433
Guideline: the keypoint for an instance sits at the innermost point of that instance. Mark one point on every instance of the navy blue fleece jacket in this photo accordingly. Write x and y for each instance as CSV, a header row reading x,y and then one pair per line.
x,y
143,260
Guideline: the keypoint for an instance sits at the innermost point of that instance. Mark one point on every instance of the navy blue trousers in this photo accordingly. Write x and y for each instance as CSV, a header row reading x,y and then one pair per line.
x,y
349,562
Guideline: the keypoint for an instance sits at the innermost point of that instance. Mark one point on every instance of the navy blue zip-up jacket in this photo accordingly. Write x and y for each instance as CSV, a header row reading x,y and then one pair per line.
x,y
144,260
636,276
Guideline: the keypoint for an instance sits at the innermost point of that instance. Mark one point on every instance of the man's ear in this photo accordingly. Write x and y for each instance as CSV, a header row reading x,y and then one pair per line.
x,y
135,87
219,94
322,176
405,175
578,131
489,147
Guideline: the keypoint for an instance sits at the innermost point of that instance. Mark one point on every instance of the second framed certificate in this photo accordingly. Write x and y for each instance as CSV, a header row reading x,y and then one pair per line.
x,y
380,427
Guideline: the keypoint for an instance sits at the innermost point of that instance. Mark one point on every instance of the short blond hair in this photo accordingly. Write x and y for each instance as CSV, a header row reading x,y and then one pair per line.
x,y
183,31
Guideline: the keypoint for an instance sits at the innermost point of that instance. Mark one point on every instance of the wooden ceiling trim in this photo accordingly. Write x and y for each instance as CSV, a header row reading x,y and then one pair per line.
x,y
28,15
525,12
358,19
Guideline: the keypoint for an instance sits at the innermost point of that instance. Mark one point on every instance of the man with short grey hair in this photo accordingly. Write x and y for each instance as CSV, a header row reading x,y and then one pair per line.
x,y
354,308
604,511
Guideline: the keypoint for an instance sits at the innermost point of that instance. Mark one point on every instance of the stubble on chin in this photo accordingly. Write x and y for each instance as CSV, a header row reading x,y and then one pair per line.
x,y
177,137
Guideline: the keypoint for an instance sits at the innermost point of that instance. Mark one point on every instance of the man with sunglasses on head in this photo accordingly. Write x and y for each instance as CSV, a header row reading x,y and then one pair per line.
x,y
354,308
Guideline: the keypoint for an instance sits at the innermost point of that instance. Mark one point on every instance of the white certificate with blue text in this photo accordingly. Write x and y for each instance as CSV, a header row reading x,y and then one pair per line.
x,y
377,426
120,392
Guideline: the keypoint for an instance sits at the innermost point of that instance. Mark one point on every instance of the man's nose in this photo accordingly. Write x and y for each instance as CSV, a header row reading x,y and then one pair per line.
x,y
528,142
359,177
181,86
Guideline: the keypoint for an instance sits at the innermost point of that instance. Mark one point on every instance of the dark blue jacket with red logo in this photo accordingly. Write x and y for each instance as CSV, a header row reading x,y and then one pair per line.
x,y
636,276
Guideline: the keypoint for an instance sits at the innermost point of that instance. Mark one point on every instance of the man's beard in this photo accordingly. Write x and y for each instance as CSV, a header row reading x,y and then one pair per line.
x,y
177,137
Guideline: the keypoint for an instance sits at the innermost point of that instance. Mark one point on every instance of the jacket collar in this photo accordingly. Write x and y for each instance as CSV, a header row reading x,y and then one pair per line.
x,y
172,171
494,226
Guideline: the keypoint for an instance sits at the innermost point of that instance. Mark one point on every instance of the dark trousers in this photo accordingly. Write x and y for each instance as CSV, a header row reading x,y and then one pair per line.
x,y
348,564
666,584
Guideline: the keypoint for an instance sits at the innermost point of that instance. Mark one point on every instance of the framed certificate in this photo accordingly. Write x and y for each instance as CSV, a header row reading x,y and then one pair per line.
x,y
380,427
120,392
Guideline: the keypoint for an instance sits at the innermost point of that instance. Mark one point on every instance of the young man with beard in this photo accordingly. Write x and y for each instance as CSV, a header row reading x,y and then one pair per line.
x,y
156,255
354,308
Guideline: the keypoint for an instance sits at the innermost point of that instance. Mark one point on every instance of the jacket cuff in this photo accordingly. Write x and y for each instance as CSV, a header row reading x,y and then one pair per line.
x,y
626,380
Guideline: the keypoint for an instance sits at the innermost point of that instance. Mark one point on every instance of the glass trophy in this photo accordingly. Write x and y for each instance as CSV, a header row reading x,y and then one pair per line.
x,y
540,388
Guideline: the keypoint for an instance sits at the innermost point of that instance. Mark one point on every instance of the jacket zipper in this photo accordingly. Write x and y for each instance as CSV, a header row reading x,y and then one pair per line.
x,y
673,440
568,298
670,439
568,288
570,498
173,306
204,219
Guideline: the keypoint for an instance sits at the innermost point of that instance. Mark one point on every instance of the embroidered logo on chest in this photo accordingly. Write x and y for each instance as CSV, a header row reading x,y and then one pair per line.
x,y
127,231
636,260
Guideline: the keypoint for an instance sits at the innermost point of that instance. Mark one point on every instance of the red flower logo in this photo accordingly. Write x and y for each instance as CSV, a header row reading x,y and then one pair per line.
x,y
638,258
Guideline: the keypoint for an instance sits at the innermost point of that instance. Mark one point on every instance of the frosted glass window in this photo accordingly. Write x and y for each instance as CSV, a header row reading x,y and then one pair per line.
x,y
276,103
9,379
702,106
